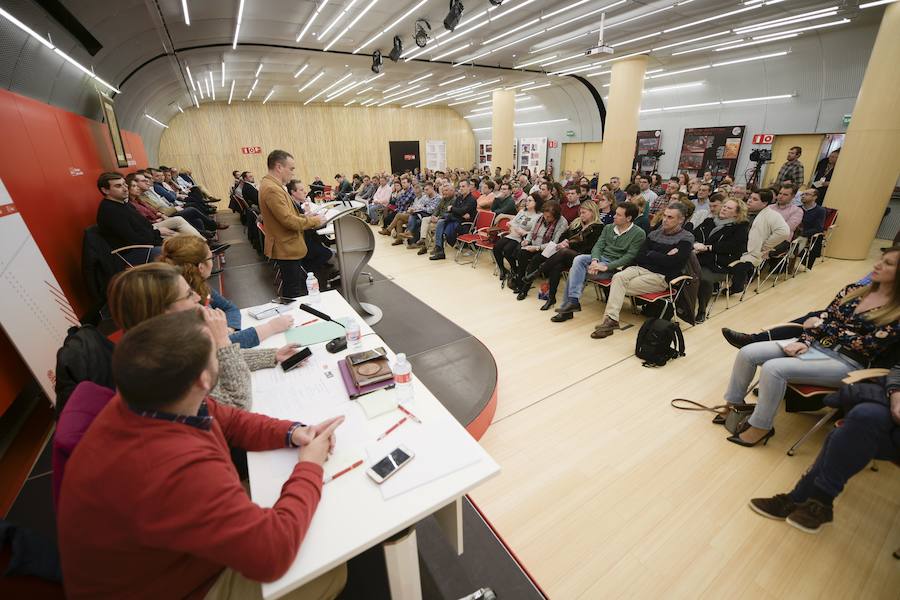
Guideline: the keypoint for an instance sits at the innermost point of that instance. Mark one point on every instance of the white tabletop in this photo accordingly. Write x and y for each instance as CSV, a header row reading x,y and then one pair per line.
x,y
352,515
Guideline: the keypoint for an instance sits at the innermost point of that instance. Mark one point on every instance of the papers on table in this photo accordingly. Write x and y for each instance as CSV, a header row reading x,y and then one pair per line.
x,y
377,403
314,333
437,454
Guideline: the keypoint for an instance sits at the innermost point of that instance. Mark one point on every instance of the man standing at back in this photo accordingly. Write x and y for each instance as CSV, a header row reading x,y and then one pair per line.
x,y
792,170
284,224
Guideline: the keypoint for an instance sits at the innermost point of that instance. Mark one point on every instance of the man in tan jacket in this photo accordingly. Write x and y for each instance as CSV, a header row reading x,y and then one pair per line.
x,y
284,224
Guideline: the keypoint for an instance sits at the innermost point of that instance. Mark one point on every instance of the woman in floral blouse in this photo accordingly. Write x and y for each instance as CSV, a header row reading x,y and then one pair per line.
x,y
861,323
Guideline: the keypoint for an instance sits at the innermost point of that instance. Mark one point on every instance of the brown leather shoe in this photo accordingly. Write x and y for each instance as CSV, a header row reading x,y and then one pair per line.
x,y
422,250
384,231
222,226
397,242
605,329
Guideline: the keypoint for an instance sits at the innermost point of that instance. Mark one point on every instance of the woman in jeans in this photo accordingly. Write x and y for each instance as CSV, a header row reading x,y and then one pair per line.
x,y
859,324
579,238
508,246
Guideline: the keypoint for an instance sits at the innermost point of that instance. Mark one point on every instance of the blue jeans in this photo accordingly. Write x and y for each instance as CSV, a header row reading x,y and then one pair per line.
x,y
445,228
414,226
373,210
865,435
578,275
777,370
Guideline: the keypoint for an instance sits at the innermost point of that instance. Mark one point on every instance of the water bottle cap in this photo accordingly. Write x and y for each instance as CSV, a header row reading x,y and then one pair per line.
x,y
401,357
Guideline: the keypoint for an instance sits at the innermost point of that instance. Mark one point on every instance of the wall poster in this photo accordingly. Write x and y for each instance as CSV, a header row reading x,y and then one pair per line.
x,y
713,149
436,155
647,142
109,115
485,154
532,154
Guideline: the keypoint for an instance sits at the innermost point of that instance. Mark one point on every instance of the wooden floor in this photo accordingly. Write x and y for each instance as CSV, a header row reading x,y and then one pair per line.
x,y
606,491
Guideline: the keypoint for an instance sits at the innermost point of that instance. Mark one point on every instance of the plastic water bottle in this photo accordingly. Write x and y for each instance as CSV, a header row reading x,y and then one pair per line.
x,y
403,379
312,289
354,338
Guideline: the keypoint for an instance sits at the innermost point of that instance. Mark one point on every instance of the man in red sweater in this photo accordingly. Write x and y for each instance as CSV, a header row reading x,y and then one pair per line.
x,y
151,505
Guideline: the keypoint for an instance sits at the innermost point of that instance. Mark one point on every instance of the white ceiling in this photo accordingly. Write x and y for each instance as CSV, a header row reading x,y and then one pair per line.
x,y
139,37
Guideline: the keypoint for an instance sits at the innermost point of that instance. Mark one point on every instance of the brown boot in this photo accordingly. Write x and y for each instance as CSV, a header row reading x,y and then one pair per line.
x,y
605,329
384,231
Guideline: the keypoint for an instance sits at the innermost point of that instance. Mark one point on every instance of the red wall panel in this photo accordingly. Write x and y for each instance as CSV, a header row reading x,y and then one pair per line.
x,y
49,162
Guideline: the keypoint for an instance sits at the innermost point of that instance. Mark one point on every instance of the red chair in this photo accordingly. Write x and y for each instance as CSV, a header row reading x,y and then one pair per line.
x,y
500,229
669,296
484,220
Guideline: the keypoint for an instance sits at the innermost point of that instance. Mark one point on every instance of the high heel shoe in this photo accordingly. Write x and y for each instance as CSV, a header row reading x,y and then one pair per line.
x,y
736,438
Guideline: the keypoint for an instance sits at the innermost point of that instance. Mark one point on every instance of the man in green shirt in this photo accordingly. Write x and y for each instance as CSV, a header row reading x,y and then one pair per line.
x,y
504,203
616,249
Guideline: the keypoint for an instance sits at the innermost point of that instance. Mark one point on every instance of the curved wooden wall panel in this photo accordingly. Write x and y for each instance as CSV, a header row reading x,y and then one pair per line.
x,y
325,139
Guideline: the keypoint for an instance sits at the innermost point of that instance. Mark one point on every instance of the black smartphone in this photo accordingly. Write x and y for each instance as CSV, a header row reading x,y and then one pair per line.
x,y
283,300
296,359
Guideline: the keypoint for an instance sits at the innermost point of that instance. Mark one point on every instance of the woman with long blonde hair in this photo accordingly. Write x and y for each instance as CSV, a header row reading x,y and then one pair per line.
x,y
861,324
720,240
194,259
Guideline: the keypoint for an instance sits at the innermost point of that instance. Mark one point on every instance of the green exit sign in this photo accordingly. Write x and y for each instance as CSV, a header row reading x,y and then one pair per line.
x,y
846,119
570,133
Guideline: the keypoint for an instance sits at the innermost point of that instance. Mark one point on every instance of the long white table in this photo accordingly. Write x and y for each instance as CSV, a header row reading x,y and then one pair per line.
x,y
353,515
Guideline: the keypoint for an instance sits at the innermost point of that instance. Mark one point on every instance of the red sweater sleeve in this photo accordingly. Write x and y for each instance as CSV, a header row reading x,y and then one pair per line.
x,y
202,510
250,431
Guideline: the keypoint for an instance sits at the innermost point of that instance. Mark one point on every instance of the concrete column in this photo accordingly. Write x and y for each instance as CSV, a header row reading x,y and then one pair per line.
x,y
502,123
622,111
869,163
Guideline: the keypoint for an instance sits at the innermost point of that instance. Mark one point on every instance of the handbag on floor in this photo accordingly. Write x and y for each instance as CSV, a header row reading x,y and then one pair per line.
x,y
735,419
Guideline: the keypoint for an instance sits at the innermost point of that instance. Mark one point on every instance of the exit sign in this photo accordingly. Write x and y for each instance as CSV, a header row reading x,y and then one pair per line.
x,y
763,138
846,119
251,150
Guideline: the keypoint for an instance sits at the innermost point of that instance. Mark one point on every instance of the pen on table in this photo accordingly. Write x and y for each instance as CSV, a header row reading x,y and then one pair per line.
x,y
410,415
392,428
344,471
311,321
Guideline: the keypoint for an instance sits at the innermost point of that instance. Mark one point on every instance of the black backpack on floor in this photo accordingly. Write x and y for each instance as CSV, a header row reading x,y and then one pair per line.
x,y
658,342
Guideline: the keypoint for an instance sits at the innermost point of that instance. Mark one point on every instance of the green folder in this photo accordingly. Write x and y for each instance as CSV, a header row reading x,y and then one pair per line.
x,y
315,333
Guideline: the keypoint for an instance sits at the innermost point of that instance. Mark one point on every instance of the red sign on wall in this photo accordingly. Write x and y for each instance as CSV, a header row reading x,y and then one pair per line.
x,y
251,150
409,157
763,138
552,144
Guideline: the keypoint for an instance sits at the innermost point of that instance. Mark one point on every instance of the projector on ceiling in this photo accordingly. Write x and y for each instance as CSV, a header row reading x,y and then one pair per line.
x,y
601,49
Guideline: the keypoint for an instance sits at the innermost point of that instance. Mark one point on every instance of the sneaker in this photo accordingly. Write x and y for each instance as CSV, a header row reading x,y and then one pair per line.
x,y
777,507
809,516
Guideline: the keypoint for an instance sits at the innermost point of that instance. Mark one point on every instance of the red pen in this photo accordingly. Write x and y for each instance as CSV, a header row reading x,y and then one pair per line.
x,y
307,322
344,471
410,415
392,428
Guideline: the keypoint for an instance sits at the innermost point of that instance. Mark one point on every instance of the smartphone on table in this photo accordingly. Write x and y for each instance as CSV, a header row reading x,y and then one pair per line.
x,y
295,359
390,464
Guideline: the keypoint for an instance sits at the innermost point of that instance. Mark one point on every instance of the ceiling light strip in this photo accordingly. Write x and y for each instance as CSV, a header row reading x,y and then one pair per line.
x,y
335,84
157,121
311,19
391,26
311,81
237,26
350,25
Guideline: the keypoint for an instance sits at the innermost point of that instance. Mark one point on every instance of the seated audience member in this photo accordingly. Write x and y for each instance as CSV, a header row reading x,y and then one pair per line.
x,y
791,213
399,223
461,210
284,239
249,190
120,224
720,241
577,240
767,230
400,201
634,196
194,260
661,258
341,185
367,189
671,189
616,248
654,202
715,203
167,227
486,200
507,247
683,199
198,219
615,186
162,183
683,180
701,205
318,255
151,505
606,207
549,228
570,203
421,209
870,431
504,203
429,224
236,183
584,191
813,222
388,212
380,199
739,192
861,323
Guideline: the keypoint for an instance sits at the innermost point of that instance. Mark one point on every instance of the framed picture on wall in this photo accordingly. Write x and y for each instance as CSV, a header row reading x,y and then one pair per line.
x,y
109,114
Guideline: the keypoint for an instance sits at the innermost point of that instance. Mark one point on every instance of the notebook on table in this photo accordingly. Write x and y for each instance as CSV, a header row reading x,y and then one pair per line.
x,y
355,389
